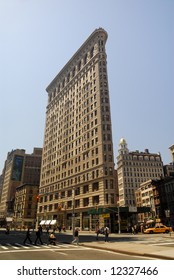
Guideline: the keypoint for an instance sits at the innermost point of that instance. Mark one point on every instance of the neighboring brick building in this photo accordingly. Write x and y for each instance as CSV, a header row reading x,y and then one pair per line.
x,y
163,192
25,206
20,168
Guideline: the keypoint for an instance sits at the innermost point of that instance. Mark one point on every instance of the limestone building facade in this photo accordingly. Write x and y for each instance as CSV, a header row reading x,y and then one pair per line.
x,y
135,168
77,174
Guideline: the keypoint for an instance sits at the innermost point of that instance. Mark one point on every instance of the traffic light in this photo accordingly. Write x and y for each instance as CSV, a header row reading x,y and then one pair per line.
x,y
38,198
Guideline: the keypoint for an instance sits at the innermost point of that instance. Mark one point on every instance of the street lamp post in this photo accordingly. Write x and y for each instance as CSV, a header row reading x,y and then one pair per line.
x,y
119,228
73,211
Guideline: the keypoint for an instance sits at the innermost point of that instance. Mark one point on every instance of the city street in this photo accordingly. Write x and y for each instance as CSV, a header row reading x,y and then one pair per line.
x,y
61,252
12,247
85,236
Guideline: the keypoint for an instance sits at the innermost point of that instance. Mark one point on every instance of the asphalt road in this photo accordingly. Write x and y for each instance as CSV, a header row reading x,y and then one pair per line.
x,y
19,236
68,253
12,248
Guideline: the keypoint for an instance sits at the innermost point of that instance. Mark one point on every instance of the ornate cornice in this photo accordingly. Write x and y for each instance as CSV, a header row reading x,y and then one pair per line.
x,y
89,43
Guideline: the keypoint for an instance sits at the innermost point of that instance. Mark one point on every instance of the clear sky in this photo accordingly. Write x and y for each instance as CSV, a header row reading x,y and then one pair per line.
x,y
38,37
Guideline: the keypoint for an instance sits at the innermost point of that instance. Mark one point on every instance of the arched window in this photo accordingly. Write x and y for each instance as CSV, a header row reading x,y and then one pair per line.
x,y
73,72
92,52
63,83
85,59
59,88
79,65
68,77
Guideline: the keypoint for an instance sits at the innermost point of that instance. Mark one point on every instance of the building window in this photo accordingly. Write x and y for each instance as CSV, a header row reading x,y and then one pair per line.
x,y
77,203
69,204
85,59
95,186
69,193
55,206
77,191
92,52
95,200
79,66
85,189
86,201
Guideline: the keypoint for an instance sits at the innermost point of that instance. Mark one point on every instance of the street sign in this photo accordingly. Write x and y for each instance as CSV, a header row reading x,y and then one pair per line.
x,y
106,215
132,209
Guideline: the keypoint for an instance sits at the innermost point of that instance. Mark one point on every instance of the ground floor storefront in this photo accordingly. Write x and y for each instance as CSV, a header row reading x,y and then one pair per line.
x,y
116,218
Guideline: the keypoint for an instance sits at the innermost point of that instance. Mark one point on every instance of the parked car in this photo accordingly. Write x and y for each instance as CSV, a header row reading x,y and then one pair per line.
x,y
158,229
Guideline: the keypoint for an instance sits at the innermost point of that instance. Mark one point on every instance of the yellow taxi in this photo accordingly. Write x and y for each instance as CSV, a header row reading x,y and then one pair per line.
x,y
158,229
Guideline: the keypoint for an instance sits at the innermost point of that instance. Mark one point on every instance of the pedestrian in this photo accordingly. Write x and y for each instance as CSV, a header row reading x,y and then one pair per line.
x,y
40,228
27,237
76,236
47,229
38,236
7,229
52,239
106,232
97,232
133,230
59,228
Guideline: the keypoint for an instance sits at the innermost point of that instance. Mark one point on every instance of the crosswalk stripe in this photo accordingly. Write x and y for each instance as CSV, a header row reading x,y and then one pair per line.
x,y
67,245
10,245
3,247
31,245
20,245
17,246
45,246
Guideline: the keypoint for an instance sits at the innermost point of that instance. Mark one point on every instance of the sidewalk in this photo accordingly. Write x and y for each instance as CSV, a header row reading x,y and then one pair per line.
x,y
163,252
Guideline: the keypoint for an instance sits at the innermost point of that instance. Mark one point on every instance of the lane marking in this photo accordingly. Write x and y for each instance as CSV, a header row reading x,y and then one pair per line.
x,y
61,253
161,244
44,249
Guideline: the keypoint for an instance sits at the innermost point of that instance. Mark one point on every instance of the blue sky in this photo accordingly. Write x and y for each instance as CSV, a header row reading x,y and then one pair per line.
x,y
38,37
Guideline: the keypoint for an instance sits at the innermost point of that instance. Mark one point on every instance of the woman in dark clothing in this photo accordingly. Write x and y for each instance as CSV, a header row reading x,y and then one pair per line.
x,y
38,236
27,237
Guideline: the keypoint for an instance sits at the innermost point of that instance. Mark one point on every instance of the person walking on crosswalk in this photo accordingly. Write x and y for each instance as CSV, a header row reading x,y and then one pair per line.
x,y
106,233
76,236
27,237
38,236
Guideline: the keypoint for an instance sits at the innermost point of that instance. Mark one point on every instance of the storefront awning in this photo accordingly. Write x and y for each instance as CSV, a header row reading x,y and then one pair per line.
x,y
42,222
9,219
47,222
53,222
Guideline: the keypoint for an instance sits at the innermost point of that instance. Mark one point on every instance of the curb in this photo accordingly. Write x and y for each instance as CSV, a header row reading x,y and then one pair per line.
x,y
130,253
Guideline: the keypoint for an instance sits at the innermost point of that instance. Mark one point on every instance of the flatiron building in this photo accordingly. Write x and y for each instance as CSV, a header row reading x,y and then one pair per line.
x,y
77,174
